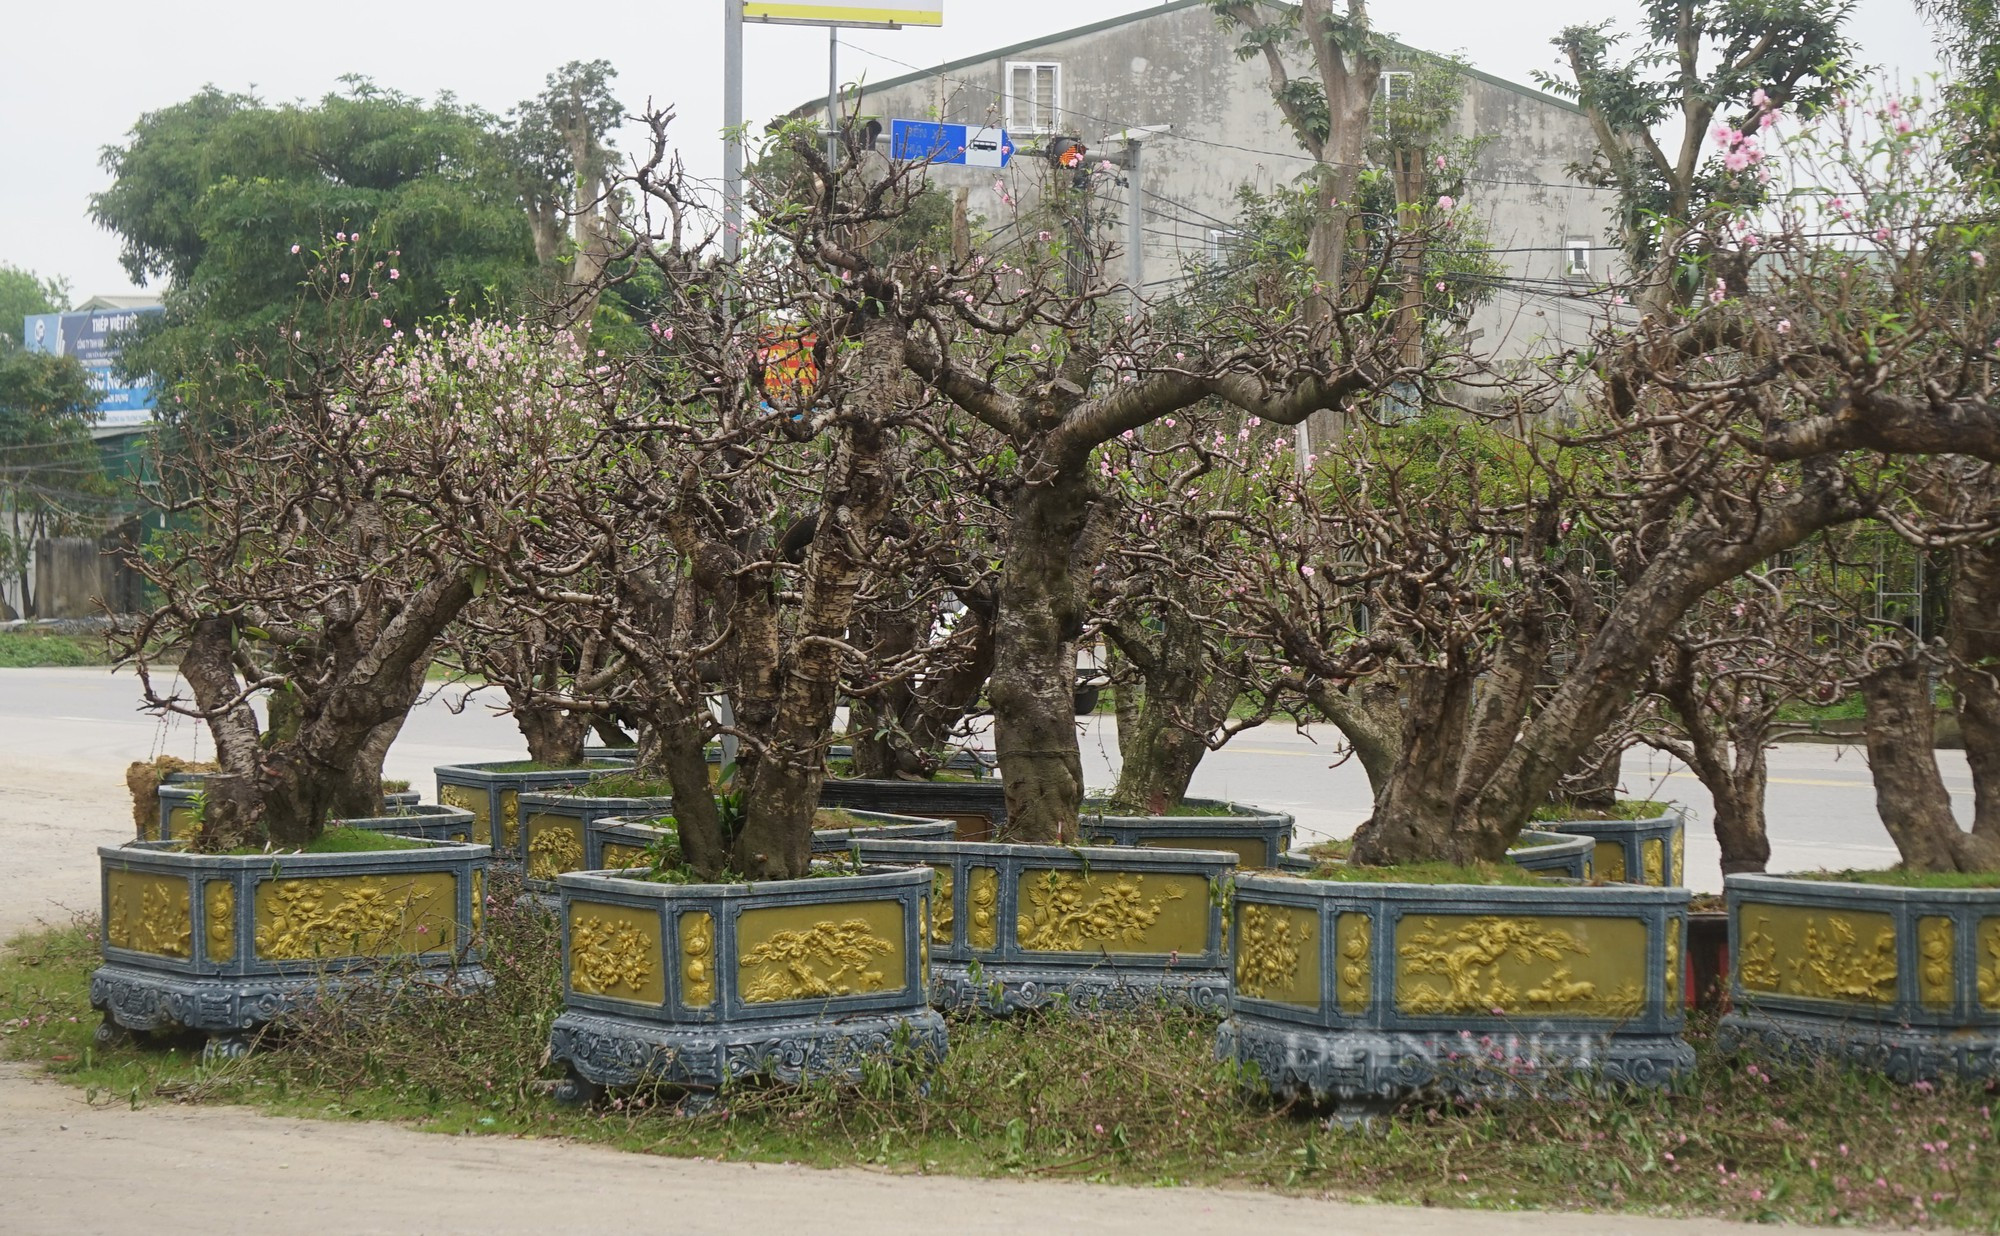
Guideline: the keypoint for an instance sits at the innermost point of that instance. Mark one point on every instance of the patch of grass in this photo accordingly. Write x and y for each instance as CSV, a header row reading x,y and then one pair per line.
x,y
1898,877
344,841
1851,708
1134,1099
1623,809
32,649
623,785
395,787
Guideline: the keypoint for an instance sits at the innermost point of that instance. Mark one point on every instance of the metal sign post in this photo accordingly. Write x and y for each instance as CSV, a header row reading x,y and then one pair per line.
x,y
732,127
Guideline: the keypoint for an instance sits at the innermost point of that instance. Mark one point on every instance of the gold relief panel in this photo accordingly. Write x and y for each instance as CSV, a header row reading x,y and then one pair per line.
x,y
614,951
924,942
478,898
1653,860
1113,912
1607,861
555,845
510,819
1354,954
219,905
1816,953
180,823
1986,944
476,800
1277,953
982,921
1543,965
697,959
816,952
325,917
1676,979
618,855
941,907
1680,871
149,913
1253,851
1937,944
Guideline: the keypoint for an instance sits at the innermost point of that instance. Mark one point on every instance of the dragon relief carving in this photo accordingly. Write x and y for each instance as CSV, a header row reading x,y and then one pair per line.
x,y
1468,959
826,959
1065,911
317,918
149,916
608,957
555,849
1267,958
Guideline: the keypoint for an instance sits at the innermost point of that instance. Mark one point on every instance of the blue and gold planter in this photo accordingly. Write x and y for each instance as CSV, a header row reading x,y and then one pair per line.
x,y
1902,981
557,831
431,823
226,943
1020,926
180,805
1550,854
619,842
492,793
1363,995
696,984
1650,851
1258,838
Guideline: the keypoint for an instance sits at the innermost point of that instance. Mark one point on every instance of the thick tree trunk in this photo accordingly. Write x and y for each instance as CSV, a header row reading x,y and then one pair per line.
x,y
673,746
1739,818
1974,633
1416,808
1034,664
1369,716
1910,795
1158,761
1188,694
555,736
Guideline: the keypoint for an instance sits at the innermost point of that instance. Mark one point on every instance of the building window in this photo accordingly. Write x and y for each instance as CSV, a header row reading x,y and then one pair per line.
x,y
1576,257
1396,85
1034,96
1221,246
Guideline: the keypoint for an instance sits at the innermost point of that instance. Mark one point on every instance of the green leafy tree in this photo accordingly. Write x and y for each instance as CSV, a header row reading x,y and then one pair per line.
x,y
1968,33
22,292
225,199
51,480
1698,70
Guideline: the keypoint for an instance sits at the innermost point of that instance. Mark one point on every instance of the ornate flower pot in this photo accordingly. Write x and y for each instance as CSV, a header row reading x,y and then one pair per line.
x,y
1017,926
225,943
977,808
557,825
1905,981
492,793
1366,994
1547,853
180,799
1258,838
694,984
617,842
421,820
1634,851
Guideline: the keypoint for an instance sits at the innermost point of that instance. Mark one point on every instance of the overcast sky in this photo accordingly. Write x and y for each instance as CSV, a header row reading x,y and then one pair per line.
x,y
73,79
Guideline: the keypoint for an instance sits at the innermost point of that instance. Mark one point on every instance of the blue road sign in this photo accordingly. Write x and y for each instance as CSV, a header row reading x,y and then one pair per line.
x,y
971,145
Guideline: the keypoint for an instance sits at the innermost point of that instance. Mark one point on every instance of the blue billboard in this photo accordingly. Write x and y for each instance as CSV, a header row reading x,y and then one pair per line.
x,y
89,336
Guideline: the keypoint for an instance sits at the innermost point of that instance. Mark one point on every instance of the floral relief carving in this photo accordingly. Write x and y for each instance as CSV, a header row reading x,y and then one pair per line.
x,y
982,928
150,916
941,907
1936,942
608,958
1833,962
1653,860
697,960
1267,958
555,849
826,959
1064,911
1989,968
220,896
1468,959
319,918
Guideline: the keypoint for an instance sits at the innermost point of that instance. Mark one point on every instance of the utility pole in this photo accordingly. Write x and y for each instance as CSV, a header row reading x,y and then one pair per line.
x,y
832,98
732,127
1133,162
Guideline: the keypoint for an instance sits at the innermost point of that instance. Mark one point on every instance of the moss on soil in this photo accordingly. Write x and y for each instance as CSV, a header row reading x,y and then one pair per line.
x,y
1897,877
1624,809
343,841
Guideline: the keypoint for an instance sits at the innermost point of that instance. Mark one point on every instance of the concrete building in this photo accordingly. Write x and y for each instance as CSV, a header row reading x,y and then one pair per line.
x,y
1170,64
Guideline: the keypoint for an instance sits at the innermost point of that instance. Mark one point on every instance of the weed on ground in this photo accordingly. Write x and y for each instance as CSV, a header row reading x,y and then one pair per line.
x,y
1136,1098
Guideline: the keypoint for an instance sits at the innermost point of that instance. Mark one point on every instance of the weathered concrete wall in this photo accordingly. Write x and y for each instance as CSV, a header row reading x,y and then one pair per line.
x,y
1172,65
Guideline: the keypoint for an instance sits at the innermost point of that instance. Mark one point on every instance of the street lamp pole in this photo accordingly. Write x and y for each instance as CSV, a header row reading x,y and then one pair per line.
x,y
732,127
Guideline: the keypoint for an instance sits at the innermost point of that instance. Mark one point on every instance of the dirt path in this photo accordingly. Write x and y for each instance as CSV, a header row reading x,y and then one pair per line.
x,y
68,1167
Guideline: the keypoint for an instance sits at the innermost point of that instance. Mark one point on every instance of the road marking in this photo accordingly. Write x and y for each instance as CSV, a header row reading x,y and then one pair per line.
x,y
1847,785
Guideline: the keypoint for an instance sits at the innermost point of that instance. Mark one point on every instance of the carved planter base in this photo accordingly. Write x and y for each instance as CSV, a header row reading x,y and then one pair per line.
x,y
1365,995
226,943
698,984
1903,981
1024,926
